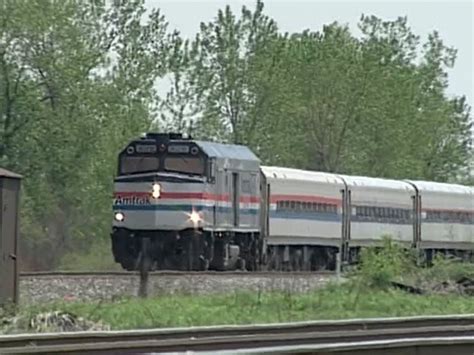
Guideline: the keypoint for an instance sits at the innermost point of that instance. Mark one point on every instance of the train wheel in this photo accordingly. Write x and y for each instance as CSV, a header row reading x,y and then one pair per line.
x,y
190,254
241,264
203,264
128,264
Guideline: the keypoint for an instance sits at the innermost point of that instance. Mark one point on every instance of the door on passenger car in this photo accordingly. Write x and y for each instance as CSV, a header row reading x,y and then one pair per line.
x,y
264,205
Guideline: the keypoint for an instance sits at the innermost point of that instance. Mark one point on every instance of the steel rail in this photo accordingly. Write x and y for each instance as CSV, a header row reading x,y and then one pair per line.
x,y
219,338
419,346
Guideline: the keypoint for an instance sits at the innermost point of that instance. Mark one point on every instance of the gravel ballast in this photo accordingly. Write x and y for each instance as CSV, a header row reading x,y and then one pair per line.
x,y
49,288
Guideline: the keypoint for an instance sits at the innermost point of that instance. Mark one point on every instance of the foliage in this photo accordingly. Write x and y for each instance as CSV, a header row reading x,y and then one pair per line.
x,y
177,110
446,269
367,103
379,266
223,72
77,79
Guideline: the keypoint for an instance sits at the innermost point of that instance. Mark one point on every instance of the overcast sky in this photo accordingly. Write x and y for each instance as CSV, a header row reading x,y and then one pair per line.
x,y
452,19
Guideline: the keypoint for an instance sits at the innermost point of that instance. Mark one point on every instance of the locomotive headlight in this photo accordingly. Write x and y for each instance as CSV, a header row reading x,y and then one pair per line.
x,y
119,216
195,217
156,190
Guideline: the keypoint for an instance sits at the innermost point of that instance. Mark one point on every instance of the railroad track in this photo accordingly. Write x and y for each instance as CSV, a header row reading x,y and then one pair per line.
x,y
451,333
175,273
42,287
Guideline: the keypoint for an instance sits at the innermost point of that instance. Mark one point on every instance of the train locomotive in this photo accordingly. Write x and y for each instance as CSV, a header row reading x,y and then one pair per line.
x,y
200,205
196,203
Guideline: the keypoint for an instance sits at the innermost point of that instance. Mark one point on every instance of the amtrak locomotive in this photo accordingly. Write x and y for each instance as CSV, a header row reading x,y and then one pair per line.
x,y
202,205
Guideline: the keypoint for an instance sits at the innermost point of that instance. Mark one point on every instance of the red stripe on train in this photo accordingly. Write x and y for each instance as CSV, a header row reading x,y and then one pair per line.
x,y
306,198
245,198
190,196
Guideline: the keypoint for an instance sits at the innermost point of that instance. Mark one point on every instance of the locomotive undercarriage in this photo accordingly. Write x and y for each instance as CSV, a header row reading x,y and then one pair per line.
x,y
197,250
316,258
202,250
429,255
190,249
301,258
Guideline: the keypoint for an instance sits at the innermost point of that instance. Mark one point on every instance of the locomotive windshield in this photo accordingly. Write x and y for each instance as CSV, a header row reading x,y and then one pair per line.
x,y
179,164
137,164
185,164
160,153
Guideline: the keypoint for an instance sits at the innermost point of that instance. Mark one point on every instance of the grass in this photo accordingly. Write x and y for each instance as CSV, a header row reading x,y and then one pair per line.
x,y
332,302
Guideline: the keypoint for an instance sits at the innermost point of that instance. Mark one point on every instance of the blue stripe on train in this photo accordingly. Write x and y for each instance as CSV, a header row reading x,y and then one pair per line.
x,y
309,216
331,217
183,208
327,217
379,220
221,209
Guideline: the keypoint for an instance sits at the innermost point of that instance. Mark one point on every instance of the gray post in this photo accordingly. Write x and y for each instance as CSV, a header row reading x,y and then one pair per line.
x,y
145,264
338,266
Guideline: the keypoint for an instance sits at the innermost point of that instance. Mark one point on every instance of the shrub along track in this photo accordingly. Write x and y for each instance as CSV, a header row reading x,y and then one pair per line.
x,y
414,334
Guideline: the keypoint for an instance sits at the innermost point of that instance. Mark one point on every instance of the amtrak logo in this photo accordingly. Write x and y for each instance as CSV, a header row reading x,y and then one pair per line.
x,y
131,200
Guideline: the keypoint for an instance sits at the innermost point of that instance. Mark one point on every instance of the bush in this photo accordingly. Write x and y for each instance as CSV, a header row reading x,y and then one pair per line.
x,y
381,265
445,268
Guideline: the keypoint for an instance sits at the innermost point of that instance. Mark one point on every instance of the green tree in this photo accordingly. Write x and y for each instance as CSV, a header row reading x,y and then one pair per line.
x,y
409,113
224,80
329,85
368,106
178,110
80,79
